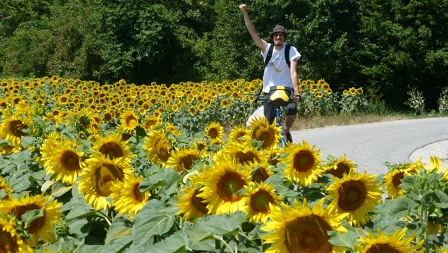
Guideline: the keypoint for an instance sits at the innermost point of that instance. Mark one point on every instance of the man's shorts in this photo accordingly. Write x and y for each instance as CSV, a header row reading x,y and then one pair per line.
x,y
269,110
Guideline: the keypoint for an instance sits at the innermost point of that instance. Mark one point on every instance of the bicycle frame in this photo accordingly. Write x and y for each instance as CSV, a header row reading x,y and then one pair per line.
x,y
278,122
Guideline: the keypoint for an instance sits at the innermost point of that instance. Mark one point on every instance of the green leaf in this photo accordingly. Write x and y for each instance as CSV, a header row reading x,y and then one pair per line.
x,y
4,143
77,227
60,189
65,245
442,199
153,219
38,175
174,243
164,177
115,246
347,239
403,206
120,227
31,215
77,207
27,140
224,224
3,194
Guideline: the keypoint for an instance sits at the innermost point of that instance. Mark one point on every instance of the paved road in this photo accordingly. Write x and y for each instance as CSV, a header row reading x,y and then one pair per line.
x,y
370,145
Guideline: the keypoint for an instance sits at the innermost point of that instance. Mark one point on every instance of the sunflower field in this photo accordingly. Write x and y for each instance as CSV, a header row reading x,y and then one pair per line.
x,y
89,167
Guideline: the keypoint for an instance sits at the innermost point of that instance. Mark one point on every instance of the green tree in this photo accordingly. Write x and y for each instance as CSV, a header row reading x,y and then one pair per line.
x,y
153,41
404,46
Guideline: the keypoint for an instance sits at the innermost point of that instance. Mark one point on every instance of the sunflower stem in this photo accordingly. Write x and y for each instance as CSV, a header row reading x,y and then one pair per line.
x,y
247,239
219,240
425,223
106,218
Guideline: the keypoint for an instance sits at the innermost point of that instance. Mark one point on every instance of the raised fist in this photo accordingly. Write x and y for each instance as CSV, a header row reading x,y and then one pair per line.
x,y
242,7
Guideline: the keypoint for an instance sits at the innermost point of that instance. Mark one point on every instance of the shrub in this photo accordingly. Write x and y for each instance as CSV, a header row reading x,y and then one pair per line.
x,y
416,101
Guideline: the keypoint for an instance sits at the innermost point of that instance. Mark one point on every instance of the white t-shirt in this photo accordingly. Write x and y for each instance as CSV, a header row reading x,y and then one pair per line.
x,y
277,71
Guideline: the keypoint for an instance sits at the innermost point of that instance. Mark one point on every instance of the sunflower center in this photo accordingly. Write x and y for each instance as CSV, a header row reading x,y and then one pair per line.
x,y
351,195
260,175
137,194
7,242
34,225
396,179
341,169
70,160
267,135
187,161
105,175
260,200
303,161
245,157
108,116
131,121
213,133
382,248
16,127
308,234
162,150
150,123
240,137
198,202
229,184
111,150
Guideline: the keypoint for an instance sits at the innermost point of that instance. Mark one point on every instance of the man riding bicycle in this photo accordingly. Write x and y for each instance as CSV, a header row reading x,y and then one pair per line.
x,y
278,70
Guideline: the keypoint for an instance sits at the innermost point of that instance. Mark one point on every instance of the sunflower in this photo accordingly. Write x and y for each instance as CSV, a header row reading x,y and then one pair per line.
x,y
302,163
112,146
392,179
158,147
355,194
126,196
395,242
223,180
183,159
6,189
302,228
42,227
242,154
171,128
352,91
214,131
129,120
260,130
435,166
8,149
272,155
340,166
259,201
435,228
359,91
190,205
97,178
151,122
10,239
63,161
12,127
237,135
51,141
260,171
226,103
192,110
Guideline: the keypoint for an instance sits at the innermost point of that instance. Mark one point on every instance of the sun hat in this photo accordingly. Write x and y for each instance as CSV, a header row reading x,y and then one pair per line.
x,y
278,29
